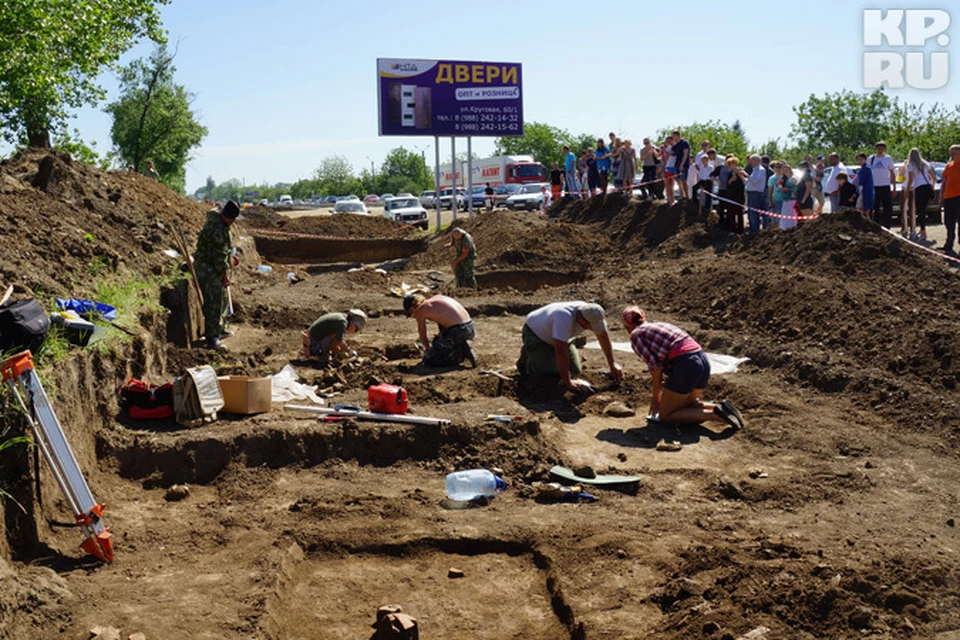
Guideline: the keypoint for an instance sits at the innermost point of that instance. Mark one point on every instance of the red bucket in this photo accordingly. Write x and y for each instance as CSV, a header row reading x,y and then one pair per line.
x,y
387,398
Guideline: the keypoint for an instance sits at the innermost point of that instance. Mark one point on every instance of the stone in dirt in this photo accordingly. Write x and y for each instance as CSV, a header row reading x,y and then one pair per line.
x,y
393,624
137,636
617,409
177,492
455,573
760,633
100,632
664,445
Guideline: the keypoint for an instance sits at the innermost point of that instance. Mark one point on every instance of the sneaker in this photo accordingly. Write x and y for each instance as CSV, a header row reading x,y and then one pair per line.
x,y
469,354
733,411
216,345
226,333
724,414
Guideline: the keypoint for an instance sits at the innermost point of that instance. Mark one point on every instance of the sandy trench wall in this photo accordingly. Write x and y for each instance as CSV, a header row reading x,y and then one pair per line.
x,y
322,250
83,391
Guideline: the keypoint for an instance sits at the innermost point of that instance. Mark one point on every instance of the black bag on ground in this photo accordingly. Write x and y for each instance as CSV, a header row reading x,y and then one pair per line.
x,y
23,325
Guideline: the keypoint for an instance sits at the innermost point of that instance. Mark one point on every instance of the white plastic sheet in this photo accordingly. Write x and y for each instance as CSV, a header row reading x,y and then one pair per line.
x,y
719,363
285,387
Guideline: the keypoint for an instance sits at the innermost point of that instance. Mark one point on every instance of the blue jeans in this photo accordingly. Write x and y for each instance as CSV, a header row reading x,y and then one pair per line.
x,y
757,201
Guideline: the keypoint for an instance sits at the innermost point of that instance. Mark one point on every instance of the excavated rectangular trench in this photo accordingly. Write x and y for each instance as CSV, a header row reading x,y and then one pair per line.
x,y
336,595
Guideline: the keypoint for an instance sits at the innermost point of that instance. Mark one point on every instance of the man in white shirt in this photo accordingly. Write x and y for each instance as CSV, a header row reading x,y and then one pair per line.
x,y
756,191
832,188
547,341
884,184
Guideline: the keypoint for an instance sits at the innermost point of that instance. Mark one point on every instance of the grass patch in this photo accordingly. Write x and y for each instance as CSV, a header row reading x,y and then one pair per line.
x,y
6,440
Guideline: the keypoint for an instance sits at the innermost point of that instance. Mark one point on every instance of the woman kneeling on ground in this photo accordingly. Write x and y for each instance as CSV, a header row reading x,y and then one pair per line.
x,y
669,349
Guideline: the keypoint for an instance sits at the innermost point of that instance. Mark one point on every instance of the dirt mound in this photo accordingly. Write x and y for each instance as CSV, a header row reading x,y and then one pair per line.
x,y
259,216
839,305
511,240
631,223
64,222
339,226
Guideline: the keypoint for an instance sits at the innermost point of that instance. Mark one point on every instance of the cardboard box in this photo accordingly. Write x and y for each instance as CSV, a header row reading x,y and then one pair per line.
x,y
243,394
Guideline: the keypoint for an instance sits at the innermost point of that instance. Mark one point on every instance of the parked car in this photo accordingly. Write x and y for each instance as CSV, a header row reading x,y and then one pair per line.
x,y
446,198
350,206
428,199
528,197
387,195
504,191
478,197
407,210
330,200
404,195
263,202
372,198
286,201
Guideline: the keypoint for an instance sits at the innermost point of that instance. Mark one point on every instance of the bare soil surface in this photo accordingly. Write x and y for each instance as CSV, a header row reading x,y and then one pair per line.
x,y
832,515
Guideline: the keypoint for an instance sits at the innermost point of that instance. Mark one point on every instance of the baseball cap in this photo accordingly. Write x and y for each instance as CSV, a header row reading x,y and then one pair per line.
x,y
633,316
593,314
359,318
458,230
880,144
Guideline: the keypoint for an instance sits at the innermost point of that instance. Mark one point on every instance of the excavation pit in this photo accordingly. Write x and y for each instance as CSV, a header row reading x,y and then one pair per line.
x,y
330,596
527,280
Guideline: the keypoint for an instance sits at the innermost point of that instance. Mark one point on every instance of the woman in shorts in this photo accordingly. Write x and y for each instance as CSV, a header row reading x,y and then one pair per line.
x,y
670,352
669,168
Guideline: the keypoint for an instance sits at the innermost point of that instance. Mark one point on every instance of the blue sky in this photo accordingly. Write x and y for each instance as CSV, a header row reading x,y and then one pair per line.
x,y
282,85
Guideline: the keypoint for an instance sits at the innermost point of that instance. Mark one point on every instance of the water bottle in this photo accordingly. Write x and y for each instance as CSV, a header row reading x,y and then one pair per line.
x,y
472,484
264,268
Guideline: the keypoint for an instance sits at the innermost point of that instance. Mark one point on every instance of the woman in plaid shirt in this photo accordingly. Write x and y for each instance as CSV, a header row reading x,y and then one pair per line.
x,y
669,349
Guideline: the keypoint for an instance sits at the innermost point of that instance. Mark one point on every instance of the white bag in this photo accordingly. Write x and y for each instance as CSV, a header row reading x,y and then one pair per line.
x,y
197,397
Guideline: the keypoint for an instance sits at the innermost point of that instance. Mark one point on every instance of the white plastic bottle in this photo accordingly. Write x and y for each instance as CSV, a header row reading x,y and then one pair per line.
x,y
472,484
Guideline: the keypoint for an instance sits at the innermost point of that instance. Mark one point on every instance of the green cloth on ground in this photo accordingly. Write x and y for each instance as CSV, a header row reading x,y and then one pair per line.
x,y
542,359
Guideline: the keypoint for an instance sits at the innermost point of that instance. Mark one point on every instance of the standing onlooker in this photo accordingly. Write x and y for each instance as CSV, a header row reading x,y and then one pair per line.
x,y
765,220
832,188
556,181
819,170
787,185
669,168
884,183
545,201
756,189
848,192
864,181
648,157
151,171
704,150
805,188
950,195
582,174
721,178
628,166
603,164
488,196
681,149
920,180
593,172
570,173
615,148
774,195
704,174
735,192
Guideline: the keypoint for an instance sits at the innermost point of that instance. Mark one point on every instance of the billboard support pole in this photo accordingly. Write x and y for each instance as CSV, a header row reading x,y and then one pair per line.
x,y
453,178
470,176
436,178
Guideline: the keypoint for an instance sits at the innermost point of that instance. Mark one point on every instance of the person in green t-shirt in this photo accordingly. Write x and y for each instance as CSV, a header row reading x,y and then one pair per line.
x,y
466,258
327,332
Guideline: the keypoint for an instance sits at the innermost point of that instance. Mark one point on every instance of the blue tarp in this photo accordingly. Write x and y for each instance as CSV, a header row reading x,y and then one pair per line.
x,y
86,307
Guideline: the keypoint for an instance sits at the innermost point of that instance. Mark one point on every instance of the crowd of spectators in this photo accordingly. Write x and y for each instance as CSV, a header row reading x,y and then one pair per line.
x,y
768,193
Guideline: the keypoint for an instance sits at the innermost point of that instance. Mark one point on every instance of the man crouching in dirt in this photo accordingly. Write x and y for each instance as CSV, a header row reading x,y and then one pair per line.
x,y
547,342
211,261
452,344
327,332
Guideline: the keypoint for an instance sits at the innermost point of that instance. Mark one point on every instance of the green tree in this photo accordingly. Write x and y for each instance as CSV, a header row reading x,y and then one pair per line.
x,y
540,140
726,139
51,52
930,129
152,119
335,176
403,171
845,122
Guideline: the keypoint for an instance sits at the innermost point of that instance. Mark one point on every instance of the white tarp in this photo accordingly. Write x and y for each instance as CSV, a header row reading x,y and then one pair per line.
x,y
285,387
719,363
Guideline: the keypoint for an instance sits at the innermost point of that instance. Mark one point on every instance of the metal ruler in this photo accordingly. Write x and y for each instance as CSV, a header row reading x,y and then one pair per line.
x,y
22,379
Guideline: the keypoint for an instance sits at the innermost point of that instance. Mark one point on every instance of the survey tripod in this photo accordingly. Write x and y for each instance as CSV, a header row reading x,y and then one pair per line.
x,y
22,379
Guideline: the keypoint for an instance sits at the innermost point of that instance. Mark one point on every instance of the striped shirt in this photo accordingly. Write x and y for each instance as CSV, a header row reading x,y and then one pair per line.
x,y
659,342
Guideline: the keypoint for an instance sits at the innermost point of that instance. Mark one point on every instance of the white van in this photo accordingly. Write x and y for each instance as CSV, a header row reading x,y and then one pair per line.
x,y
286,201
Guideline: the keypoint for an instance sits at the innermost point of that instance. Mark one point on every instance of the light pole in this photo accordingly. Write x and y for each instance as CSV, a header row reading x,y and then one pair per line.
x,y
373,176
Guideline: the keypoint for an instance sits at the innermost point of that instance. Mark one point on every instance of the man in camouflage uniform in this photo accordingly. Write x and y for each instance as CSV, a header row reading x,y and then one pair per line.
x,y
211,261
466,257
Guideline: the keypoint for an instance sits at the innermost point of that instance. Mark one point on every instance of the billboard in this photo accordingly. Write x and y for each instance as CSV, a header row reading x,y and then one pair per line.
x,y
449,98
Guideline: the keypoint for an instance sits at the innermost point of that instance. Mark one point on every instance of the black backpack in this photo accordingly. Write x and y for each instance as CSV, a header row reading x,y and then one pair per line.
x,y
23,325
